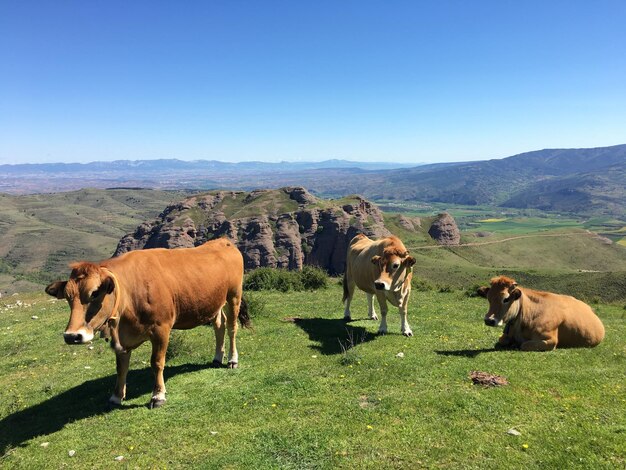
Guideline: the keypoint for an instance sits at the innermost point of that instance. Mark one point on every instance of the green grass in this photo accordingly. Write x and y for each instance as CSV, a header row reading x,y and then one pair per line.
x,y
313,392
41,233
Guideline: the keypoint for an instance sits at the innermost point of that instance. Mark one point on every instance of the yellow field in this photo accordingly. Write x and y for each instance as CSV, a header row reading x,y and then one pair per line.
x,y
492,220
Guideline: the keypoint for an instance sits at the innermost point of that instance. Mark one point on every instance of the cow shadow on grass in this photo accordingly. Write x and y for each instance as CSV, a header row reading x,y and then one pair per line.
x,y
466,352
83,401
334,336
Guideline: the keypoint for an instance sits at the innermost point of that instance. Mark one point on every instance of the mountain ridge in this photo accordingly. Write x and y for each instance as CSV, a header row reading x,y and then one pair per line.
x,y
584,181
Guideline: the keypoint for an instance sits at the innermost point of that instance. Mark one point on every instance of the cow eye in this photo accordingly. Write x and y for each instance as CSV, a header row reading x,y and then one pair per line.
x,y
395,266
94,295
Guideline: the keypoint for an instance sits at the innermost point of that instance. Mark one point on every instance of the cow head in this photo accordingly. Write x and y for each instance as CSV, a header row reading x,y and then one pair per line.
x,y
393,265
87,292
501,295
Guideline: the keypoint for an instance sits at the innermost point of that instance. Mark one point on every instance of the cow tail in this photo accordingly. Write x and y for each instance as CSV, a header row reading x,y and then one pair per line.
x,y
345,286
244,316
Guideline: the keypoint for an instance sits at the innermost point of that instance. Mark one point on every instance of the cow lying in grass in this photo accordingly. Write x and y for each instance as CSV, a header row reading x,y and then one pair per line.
x,y
382,268
539,321
143,294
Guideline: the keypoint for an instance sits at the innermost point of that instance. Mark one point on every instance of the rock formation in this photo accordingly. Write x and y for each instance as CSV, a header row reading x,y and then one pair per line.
x,y
284,228
444,230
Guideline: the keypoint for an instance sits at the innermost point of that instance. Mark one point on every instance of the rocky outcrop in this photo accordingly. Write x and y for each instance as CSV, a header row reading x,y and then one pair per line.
x,y
444,230
409,223
284,228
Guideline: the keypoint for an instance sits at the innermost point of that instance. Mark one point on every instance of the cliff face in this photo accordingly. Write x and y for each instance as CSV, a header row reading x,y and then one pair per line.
x,y
285,228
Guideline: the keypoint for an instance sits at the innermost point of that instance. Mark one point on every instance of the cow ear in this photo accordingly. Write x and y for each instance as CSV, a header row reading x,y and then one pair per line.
x,y
483,291
375,259
57,289
108,285
408,261
515,294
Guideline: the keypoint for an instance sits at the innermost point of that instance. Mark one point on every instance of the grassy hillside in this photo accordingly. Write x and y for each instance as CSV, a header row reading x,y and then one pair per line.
x,y
313,392
543,253
41,233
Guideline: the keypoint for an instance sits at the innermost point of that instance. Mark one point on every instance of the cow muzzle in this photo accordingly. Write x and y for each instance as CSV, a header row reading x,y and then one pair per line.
x,y
381,285
81,336
491,321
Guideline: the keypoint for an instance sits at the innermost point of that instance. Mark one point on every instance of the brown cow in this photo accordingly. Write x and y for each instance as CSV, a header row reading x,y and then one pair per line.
x,y
142,295
539,321
382,268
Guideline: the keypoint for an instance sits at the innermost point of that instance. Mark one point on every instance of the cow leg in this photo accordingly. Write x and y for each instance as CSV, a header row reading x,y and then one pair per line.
x,y
404,316
160,339
505,341
539,345
348,293
122,361
371,312
232,312
219,326
382,302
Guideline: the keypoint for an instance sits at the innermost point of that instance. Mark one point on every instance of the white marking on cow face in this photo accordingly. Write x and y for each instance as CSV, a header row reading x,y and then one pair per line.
x,y
390,271
491,320
80,336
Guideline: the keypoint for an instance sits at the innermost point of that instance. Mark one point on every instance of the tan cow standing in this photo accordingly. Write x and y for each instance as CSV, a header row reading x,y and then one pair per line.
x,y
381,268
143,295
537,320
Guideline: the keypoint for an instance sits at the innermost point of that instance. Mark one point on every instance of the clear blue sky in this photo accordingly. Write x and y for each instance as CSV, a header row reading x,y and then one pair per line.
x,y
263,80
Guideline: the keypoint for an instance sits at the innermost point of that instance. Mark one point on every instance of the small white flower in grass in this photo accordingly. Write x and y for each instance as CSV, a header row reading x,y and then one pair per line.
x,y
400,355
314,356
514,432
87,367
90,348
213,433
34,317
71,453
44,444
119,458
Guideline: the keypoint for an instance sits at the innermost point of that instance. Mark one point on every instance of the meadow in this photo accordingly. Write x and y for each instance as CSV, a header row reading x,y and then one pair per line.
x,y
314,392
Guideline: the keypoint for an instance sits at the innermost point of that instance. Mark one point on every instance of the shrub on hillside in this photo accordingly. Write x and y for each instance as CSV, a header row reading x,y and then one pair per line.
x,y
313,278
421,285
472,291
283,280
272,279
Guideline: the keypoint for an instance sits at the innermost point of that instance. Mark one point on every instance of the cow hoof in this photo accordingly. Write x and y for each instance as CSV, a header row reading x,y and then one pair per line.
x,y
216,364
156,403
382,332
408,333
347,319
113,405
374,317
232,365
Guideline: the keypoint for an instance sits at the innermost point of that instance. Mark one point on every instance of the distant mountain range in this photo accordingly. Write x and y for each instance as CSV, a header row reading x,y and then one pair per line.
x,y
175,165
583,181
